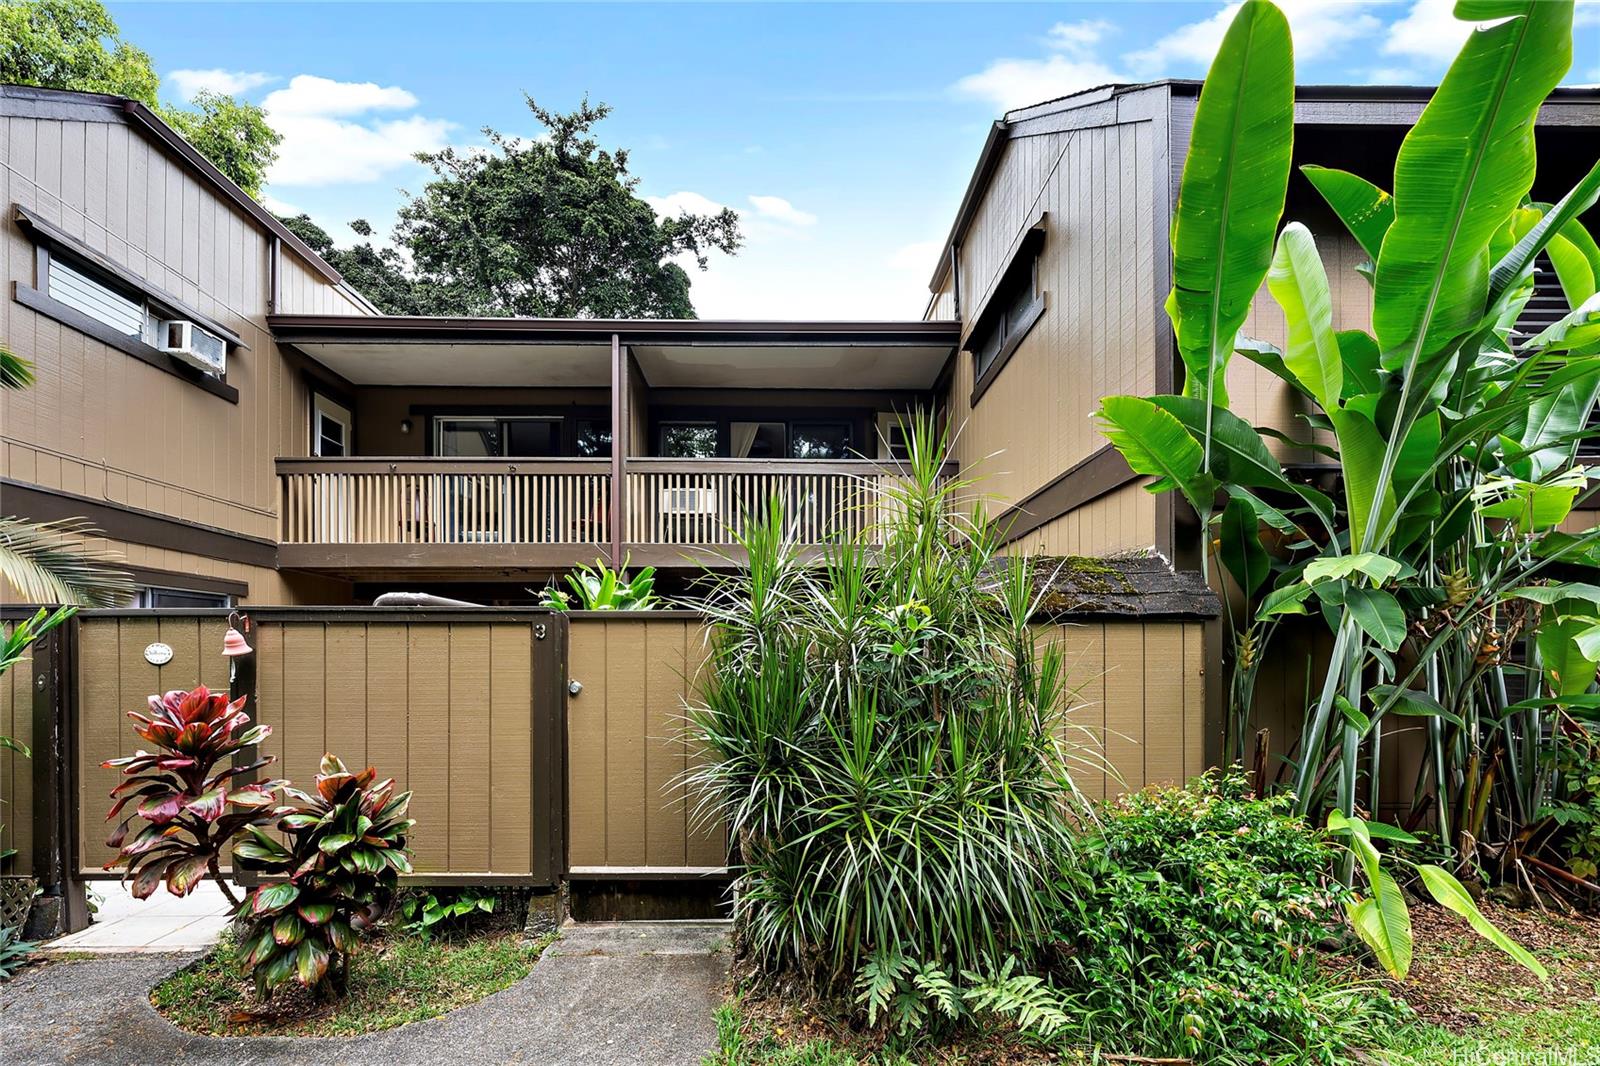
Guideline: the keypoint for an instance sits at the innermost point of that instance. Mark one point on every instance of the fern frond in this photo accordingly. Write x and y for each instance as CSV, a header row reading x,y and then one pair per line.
x,y
43,564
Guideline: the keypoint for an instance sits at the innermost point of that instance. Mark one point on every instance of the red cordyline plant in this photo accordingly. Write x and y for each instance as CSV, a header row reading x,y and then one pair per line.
x,y
344,850
192,809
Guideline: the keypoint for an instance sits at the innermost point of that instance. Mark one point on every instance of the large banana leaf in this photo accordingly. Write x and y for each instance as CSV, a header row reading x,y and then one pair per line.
x,y
1516,262
1366,210
1155,444
1299,283
1232,193
1461,171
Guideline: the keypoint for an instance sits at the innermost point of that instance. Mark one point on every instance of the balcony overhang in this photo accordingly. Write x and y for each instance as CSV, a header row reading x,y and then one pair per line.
x,y
670,353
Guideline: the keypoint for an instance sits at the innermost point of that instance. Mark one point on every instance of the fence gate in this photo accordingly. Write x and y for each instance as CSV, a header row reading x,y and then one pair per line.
x,y
464,708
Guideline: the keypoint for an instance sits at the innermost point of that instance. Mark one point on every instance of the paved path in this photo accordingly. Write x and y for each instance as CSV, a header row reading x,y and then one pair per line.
x,y
162,923
625,993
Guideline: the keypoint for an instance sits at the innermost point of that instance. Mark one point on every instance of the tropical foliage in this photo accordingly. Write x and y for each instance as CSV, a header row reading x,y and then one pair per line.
x,y
186,792
600,588
1191,926
427,910
331,878
1438,563
885,740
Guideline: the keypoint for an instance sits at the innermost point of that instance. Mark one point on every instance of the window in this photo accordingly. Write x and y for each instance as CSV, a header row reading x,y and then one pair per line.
x,y
1013,308
523,438
330,428
688,440
152,597
757,440
83,293
821,440
593,438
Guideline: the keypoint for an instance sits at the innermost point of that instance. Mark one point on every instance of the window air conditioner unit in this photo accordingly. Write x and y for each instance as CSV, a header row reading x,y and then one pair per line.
x,y
184,340
688,501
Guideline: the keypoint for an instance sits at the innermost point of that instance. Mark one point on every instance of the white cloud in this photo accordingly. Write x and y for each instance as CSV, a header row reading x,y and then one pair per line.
x,y
918,256
780,210
1014,83
1393,76
1071,67
674,204
307,94
329,138
189,83
1429,31
1319,27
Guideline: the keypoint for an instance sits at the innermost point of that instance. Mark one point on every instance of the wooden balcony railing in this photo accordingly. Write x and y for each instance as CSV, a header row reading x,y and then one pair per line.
x,y
707,502
465,513
445,501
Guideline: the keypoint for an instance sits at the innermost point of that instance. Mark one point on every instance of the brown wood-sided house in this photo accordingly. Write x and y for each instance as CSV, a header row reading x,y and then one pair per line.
x,y
246,428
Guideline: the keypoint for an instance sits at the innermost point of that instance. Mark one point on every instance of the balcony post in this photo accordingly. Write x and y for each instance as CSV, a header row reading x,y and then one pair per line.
x,y
619,444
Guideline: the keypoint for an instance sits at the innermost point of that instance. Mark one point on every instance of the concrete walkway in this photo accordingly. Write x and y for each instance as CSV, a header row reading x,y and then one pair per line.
x,y
162,923
615,994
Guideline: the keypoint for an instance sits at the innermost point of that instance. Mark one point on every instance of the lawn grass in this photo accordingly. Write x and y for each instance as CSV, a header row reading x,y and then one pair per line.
x,y
393,980
1568,1036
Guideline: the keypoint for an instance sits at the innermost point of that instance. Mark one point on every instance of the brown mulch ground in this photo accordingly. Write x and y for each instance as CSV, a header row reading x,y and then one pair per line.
x,y
1457,975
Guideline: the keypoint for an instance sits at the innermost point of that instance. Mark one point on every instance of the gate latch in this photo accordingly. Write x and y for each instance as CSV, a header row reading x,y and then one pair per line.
x,y
574,687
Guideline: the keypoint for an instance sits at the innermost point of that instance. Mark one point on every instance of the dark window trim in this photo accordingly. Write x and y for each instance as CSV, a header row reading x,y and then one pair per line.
x,y
1024,259
1013,341
72,318
76,251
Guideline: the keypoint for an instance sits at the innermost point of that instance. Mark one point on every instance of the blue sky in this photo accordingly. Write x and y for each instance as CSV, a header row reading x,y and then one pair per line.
x,y
844,134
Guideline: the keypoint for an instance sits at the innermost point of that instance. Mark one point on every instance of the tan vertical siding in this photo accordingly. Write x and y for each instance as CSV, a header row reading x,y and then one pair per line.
x,y
100,423
1096,336
303,291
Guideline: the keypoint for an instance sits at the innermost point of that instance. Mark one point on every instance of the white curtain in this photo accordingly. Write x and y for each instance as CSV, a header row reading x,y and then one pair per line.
x,y
743,438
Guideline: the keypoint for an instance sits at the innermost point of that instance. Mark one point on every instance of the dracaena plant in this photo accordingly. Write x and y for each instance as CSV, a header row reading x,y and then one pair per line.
x,y
340,858
186,793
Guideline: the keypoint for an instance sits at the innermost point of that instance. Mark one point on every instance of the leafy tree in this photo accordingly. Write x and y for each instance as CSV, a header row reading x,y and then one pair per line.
x,y
75,44
552,228
233,134
379,274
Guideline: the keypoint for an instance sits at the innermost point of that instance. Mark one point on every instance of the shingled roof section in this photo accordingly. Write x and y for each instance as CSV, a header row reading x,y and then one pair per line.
x,y
1133,585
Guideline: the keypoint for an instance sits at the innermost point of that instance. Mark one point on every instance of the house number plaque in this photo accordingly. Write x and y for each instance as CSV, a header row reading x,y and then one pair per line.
x,y
158,654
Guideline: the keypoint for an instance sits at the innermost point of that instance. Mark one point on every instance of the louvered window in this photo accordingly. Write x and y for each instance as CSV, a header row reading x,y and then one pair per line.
x,y
83,293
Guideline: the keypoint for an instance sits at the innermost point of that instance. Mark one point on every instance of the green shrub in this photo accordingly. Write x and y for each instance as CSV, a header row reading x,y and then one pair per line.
x,y
1190,924
884,745
1574,805
428,910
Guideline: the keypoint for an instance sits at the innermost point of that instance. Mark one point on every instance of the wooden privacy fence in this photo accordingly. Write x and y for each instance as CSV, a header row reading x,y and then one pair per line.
x,y
463,708
516,779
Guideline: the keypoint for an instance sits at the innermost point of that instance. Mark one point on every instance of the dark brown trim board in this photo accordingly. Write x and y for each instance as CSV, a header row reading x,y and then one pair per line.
x,y
134,525
171,579
309,329
71,317
1103,472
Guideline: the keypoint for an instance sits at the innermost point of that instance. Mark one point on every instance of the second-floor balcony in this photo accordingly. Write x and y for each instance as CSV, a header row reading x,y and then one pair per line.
x,y
361,516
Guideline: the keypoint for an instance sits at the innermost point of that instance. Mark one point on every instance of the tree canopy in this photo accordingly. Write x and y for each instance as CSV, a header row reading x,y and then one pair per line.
x,y
553,228
76,44
379,274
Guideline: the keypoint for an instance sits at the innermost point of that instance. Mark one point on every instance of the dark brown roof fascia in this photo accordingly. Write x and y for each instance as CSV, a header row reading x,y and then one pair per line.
x,y
307,329
60,103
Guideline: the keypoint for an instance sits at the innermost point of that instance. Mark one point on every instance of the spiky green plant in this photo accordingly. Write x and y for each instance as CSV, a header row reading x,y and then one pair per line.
x,y
886,743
